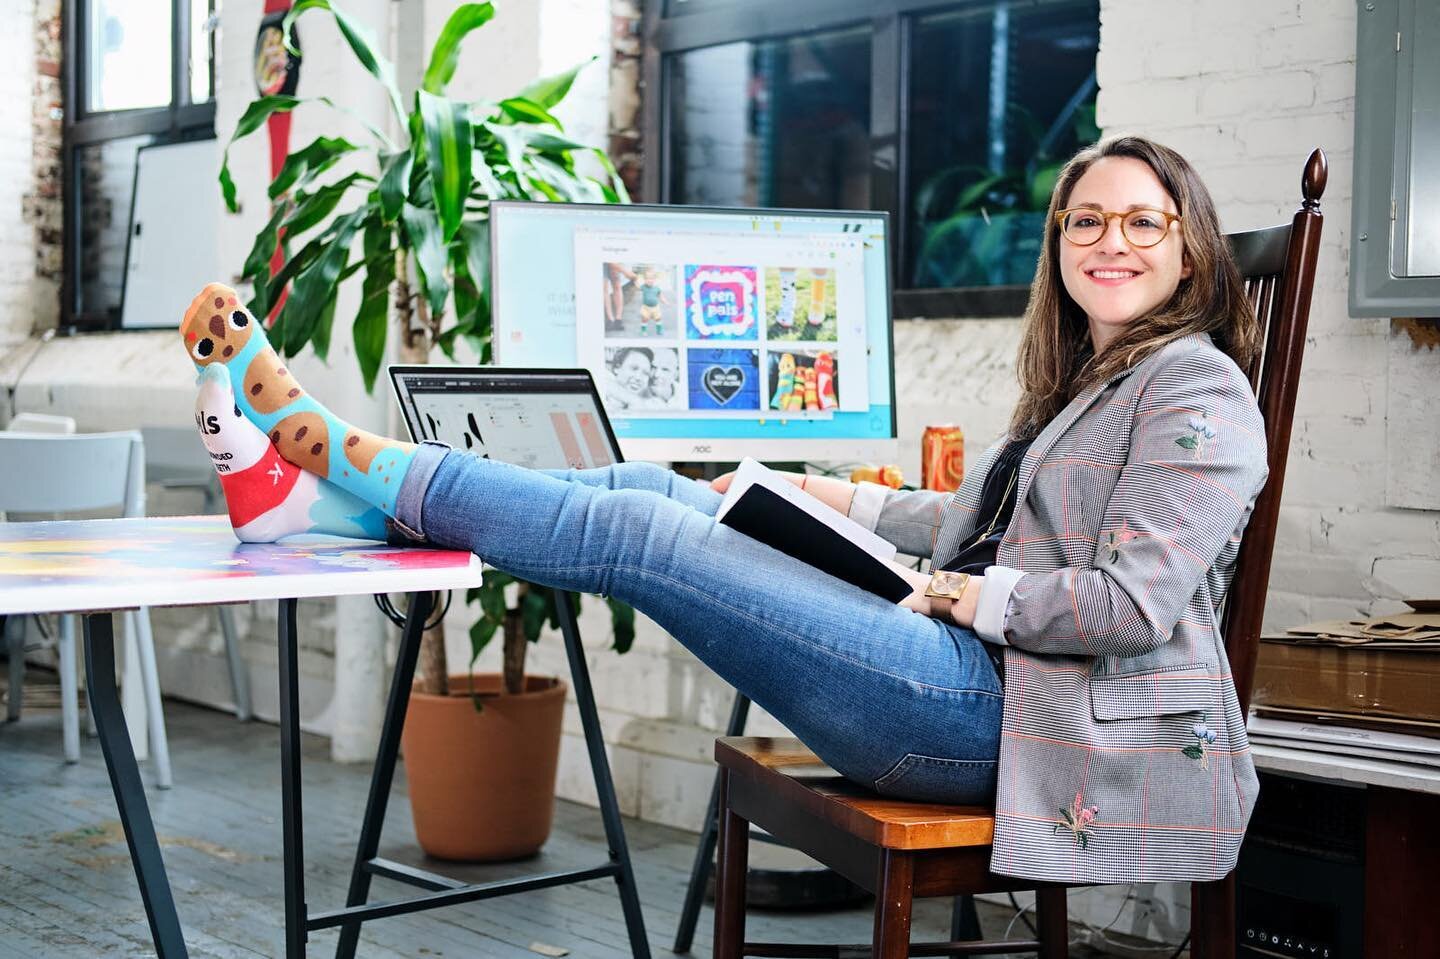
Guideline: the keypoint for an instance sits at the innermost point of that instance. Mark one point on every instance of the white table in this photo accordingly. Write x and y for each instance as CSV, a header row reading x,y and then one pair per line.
x,y
95,567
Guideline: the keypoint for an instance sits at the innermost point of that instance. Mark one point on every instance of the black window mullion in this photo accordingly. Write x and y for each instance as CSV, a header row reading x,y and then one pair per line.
x,y
886,122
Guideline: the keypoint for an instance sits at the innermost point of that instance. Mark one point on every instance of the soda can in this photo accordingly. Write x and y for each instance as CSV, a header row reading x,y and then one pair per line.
x,y
942,458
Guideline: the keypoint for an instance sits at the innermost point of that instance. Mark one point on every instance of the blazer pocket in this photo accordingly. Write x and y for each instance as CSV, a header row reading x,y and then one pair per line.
x,y
1185,688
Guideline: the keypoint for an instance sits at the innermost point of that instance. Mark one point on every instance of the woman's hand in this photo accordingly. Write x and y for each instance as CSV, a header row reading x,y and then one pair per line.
x,y
962,611
834,493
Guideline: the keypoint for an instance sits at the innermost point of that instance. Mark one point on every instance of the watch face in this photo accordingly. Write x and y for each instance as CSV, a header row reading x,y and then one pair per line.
x,y
948,584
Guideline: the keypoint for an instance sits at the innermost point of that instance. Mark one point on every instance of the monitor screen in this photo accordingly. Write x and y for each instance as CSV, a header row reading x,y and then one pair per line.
x,y
541,419
712,334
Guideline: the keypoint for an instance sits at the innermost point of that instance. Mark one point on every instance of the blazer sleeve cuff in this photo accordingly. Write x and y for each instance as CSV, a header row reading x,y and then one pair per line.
x,y
994,605
866,503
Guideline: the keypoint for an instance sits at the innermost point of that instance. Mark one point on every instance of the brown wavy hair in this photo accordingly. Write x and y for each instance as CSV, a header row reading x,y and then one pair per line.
x,y
1057,360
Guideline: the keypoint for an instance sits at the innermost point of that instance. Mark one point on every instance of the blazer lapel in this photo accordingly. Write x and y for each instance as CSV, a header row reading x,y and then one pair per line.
x,y
1056,429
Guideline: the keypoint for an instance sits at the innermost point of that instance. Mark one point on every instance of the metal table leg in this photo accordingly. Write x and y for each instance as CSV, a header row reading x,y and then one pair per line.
x,y
129,792
383,774
604,784
291,818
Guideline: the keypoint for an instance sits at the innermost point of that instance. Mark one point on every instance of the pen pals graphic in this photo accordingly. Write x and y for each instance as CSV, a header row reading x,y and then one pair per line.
x,y
724,379
720,303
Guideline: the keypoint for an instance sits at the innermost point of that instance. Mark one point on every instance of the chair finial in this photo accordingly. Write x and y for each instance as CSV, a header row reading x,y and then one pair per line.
x,y
1312,183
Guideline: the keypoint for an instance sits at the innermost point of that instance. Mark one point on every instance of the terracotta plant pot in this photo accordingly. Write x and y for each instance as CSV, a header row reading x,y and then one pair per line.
x,y
482,783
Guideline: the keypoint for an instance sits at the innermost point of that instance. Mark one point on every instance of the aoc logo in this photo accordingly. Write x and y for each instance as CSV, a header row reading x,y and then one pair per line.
x,y
700,448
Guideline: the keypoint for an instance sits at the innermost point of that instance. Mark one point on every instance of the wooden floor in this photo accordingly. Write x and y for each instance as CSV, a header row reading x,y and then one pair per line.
x,y
67,888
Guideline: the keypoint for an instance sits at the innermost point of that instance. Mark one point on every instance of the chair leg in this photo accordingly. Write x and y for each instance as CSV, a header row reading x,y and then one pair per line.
x,y
15,649
1212,919
894,892
964,920
150,679
69,690
239,677
730,871
1051,923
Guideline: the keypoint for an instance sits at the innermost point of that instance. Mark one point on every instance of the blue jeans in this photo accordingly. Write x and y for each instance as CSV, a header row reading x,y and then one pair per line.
x,y
887,697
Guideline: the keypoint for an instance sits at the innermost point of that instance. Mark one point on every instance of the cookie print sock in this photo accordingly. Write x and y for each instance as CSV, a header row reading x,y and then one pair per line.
x,y
818,283
825,380
785,312
785,382
812,398
217,329
269,498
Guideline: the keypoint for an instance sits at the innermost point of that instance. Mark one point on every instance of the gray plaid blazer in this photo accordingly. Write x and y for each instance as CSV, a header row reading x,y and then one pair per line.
x,y
1123,754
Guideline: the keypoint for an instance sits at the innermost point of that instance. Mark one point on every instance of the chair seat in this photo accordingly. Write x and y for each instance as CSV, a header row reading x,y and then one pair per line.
x,y
795,775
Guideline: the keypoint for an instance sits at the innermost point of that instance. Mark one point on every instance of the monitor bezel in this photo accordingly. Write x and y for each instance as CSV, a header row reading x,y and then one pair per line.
x,y
723,449
398,370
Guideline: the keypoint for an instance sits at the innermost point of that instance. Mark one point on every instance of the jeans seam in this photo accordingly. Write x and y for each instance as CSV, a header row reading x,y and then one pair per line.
x,y
905,764
749,617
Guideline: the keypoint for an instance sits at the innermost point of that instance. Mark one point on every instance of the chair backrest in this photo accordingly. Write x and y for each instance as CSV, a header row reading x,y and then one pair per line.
x,y
41,423
1279,269
49,473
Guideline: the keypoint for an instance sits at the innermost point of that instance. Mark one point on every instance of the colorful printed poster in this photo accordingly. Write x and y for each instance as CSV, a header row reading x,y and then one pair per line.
x,y
720,303
724,379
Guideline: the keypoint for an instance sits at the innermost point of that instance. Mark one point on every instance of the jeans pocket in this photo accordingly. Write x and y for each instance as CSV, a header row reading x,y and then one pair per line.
x,y
932,779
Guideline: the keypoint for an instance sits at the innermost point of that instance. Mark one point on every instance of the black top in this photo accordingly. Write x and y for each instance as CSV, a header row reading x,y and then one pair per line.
x,y
997,506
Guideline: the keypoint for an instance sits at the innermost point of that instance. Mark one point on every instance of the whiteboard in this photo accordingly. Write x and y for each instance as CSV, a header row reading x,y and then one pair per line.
x,y
174,240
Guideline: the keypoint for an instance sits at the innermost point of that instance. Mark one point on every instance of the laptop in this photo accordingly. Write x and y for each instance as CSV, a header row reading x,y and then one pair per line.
x,y
537,418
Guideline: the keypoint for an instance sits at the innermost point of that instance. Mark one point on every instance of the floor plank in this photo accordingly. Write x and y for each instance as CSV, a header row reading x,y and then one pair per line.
x,y
67,888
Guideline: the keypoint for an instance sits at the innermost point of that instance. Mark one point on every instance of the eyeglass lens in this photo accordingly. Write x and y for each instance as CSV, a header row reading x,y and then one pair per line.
x,y
1140,227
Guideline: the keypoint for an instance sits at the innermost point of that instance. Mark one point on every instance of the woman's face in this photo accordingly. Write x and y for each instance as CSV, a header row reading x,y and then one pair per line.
x,y
634,372
1113,282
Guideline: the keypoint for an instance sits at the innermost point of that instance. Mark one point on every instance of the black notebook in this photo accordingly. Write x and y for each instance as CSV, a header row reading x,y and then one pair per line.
x,y
767,507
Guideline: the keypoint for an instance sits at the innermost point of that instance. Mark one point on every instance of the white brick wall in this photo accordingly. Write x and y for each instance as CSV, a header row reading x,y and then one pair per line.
x,y
17,238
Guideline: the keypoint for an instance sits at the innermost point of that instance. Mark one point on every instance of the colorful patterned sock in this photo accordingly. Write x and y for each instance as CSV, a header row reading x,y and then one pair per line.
x,y
818,282
825,380
269,498
785,312
812,397
785,382
217,329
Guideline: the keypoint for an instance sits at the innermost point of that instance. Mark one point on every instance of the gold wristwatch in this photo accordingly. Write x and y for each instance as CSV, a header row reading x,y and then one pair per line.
x,y
943,590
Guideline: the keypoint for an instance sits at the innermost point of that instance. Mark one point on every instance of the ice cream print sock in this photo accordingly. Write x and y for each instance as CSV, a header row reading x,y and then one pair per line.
x,y
269,498
218,330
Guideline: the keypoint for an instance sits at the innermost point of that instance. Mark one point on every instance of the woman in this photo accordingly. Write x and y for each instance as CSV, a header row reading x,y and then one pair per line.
x,y
1076,676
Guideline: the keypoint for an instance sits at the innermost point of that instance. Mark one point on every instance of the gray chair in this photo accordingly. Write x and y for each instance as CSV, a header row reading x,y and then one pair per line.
x,y
176,460
54,474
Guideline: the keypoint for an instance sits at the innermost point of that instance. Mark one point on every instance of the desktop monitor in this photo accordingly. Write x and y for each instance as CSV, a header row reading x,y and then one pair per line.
x,y
712,333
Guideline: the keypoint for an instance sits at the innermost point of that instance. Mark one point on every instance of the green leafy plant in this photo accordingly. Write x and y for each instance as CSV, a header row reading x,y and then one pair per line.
x,y
418,204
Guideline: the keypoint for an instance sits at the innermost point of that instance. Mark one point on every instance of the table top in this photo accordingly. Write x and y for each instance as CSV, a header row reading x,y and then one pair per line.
x,y
72,566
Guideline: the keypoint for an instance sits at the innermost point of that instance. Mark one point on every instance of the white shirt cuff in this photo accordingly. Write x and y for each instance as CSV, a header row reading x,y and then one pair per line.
x,y
994,603
865,506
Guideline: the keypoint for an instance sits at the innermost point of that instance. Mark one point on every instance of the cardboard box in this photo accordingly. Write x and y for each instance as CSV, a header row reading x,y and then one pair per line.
x,y
1402,684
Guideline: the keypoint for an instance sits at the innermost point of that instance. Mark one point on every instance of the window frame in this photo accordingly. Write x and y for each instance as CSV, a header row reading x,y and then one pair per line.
x,y
891,21
180,120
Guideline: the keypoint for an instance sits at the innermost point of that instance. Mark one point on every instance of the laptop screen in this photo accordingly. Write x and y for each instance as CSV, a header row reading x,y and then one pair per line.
x,y
540,419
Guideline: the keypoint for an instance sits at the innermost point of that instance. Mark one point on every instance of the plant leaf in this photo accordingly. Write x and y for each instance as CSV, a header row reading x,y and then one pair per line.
x,y
622,619
394,183
255,114
372,320
480,633
362,43
548,91
534,611
315,285
1194,752
446,53
320,336
310,209
423,231
522,110
304,164
257,263
1189,442
447,155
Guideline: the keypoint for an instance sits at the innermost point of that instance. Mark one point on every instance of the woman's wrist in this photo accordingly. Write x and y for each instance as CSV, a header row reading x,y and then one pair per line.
x,y
962,610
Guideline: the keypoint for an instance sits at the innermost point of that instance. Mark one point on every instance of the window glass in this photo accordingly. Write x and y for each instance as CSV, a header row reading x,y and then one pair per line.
x,y
201,29
129,55
106,180
774,123
1000,97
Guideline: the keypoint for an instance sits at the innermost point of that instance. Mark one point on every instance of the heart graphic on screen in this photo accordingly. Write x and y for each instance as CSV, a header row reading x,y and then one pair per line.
x,y
723,382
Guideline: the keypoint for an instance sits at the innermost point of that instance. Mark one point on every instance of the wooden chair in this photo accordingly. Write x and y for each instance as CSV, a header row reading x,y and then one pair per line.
x,y
900,850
